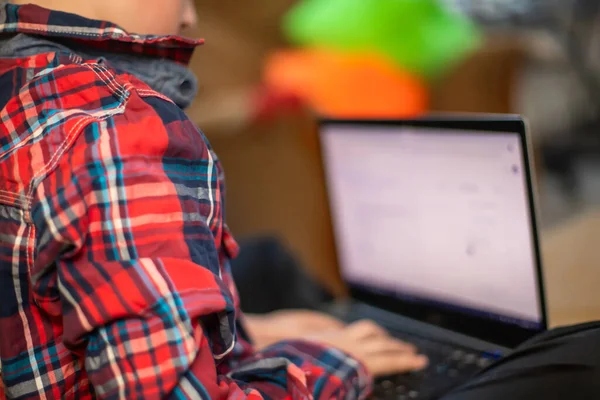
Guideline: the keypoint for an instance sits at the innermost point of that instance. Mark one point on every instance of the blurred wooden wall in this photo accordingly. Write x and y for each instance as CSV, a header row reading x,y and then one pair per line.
x,y
238,34
273,175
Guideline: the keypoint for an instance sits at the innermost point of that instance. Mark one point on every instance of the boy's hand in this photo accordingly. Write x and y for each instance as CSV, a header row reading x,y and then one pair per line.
x,y
369,343
274,327
366,341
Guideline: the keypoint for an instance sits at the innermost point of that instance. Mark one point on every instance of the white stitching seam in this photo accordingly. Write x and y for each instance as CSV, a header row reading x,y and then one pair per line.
x,y
110,81
74,130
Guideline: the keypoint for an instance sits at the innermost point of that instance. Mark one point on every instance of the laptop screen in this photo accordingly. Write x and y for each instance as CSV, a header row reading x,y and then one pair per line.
x,y
436,216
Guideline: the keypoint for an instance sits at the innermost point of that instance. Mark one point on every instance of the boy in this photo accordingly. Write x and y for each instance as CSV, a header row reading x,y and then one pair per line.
x,y
114,274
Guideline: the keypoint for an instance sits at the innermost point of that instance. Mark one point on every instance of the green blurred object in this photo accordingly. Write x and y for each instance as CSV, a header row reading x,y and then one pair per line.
x,y
420,35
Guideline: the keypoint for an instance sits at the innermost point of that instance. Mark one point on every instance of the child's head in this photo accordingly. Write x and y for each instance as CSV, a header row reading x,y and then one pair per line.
x,y
152,17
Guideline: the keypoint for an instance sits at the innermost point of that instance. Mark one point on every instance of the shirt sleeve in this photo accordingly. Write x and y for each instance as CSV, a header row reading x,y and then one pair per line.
x,y
134,225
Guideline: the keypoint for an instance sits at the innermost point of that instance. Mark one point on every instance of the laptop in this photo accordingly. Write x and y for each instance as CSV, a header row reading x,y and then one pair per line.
x,y
435,229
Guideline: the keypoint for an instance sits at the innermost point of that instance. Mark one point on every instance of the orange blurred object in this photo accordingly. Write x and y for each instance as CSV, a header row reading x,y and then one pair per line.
x,y
347,85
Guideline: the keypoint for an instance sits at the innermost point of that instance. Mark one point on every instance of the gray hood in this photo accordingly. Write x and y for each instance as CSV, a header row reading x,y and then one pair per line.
x,y
165,76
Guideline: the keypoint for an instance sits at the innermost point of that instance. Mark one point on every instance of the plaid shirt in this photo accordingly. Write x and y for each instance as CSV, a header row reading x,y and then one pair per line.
x,y
114,274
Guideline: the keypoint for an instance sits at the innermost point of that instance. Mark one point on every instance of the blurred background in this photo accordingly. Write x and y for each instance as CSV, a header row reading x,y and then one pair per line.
x,y
269,67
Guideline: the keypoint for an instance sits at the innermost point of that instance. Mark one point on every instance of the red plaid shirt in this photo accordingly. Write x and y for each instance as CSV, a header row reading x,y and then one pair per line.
x,y
114,274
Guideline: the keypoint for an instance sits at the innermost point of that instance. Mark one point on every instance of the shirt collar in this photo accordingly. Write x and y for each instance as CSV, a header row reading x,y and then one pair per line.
x,y
99,35
157,60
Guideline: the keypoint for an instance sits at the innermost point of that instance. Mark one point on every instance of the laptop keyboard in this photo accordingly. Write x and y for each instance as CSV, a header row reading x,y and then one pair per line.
x,y
449,366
